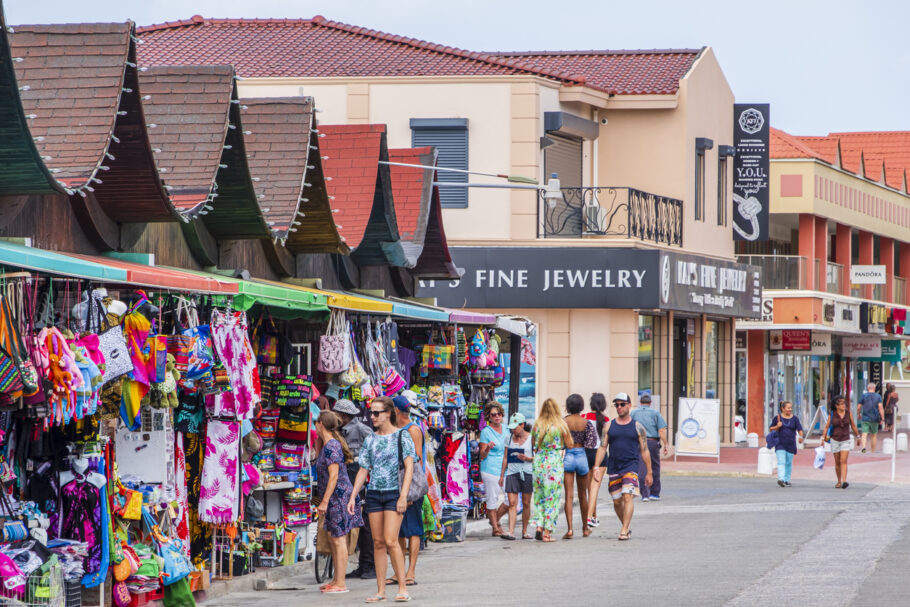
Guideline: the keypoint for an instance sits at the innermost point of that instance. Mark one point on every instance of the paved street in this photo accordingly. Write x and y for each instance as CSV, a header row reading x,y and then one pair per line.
x,y
710,541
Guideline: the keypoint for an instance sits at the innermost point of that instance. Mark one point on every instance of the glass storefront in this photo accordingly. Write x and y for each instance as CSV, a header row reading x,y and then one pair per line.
x,y
712,356
646,354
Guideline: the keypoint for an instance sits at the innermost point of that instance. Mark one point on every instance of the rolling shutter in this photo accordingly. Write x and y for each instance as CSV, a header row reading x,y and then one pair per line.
x,y
450,138
564,158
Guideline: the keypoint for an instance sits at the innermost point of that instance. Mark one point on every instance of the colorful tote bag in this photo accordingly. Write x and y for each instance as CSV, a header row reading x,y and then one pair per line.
x,y
335,346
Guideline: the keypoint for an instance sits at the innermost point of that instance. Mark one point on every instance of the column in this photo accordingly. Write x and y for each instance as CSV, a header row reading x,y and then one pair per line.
x,y
905,268
886,256
821,251
807,249
843,251
866,255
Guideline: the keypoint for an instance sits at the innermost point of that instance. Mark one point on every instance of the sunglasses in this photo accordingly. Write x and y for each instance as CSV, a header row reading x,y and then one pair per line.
x,y
620,404
495,414
378,413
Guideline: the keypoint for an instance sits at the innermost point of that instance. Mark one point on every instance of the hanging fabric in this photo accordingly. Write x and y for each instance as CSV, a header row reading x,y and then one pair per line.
x,y
218,497
232,343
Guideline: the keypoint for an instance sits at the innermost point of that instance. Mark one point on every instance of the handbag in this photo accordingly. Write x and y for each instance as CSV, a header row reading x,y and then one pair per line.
x,y
265,342
293,426
392,382
353,375
335,345
418,487
772,439
117,361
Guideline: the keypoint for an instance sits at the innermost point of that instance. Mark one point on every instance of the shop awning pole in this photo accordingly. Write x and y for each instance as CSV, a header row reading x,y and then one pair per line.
x,y
514,373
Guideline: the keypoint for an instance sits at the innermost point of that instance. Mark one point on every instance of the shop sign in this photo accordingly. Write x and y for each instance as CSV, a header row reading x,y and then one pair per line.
x,y
862,347
828,311
691,283
821,344
549,277
846,316
790,339
740,340
868,275
767,309
891,351
751,131
875,375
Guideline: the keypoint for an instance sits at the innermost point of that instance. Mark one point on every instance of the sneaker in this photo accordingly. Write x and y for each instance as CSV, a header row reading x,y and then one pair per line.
x,y
780,483
593,522
787,484
368,575
655,497
645,499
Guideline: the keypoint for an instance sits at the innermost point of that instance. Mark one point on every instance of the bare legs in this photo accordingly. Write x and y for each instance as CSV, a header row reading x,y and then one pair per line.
x,y
583,501
495,515
339,547
624,507
411,546
593,492
525,512
840,467
385,526
569,482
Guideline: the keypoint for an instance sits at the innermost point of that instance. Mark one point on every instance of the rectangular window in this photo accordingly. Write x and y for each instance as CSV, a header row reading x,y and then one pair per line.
x,y
700,186
722,191
450,138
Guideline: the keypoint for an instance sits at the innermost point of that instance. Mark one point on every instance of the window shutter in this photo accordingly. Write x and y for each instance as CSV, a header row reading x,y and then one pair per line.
x,y
564,158
451,143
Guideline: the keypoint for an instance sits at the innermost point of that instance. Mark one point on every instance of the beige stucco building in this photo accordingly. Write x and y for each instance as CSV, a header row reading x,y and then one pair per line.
x,y
635,137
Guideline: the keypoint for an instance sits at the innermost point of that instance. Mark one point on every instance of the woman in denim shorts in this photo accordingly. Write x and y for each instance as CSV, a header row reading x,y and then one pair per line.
x,y
837,432
385,501
576,461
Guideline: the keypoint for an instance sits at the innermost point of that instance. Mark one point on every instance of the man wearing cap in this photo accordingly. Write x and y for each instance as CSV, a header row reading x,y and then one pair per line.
x,y
656,431
411,533
627,442
355,432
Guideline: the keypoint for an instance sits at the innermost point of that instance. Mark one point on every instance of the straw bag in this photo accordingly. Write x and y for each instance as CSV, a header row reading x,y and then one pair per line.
x,y
334,346
353,375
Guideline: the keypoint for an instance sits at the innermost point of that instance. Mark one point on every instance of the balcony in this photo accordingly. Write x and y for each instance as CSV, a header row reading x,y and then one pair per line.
x,y
779,271
834,278
620,212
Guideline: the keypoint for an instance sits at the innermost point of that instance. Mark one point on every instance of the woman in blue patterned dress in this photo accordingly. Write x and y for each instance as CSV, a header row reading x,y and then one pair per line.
x,y
336,490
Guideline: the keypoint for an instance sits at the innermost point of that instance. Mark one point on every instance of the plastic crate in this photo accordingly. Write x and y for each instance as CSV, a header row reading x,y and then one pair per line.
x,y
454,525
73,594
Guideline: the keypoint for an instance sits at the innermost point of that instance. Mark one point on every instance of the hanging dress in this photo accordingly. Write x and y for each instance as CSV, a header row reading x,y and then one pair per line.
x,y
232,343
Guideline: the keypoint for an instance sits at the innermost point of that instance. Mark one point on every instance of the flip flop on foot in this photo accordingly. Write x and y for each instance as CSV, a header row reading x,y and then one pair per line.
x,y
838,486
624,536
402,598
391,581
568,535
375,599
528,536
507,536
410,582
335,590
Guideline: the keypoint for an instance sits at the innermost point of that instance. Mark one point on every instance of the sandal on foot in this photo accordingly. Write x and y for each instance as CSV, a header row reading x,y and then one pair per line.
x,y
335,590
624,536
527,536
838,486
377,598
569,534
548,538
586,532
410,582
539,535
391,582
402,598
507,536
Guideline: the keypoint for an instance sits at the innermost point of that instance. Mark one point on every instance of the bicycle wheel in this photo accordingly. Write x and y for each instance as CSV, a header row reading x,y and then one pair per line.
x,y
325,568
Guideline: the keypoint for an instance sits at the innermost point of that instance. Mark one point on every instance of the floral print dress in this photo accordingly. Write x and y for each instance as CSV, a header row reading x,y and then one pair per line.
x,y
337,521
548,479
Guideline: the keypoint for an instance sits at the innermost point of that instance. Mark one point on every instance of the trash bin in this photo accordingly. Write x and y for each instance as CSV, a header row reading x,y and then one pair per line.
x,y
901,442
765,461
752,439
888,446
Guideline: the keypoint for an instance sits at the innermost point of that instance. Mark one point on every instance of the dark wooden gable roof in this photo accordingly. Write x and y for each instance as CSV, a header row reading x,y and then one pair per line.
x,y
286,168
362,190
435,260
412,189
22,171
87,119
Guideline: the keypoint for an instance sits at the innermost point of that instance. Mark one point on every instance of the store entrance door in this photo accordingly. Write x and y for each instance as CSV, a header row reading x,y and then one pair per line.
x,y
680,364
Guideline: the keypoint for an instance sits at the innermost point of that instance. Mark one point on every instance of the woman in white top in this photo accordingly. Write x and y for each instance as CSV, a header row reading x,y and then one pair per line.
x,y
517,475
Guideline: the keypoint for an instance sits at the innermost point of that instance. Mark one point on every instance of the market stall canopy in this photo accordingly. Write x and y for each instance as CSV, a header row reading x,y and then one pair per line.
x,y
362,191
79,87
471,318
286,166
22,171
203,157
108,270
513,324
408,309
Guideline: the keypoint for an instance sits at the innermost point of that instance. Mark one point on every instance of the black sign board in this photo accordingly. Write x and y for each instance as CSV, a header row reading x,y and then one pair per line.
x,y
692,283
751,132
601,277
545,277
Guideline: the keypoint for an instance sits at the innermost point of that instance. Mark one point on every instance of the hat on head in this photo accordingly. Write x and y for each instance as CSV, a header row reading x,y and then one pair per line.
x,y
645,399
516,420
345,406
401,403
622,396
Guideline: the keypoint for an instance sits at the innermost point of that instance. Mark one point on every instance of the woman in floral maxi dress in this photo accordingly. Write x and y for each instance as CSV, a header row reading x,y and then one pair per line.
x,y
551,437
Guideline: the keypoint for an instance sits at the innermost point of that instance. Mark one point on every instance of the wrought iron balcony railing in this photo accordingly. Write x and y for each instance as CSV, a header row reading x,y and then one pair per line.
x,y
623,212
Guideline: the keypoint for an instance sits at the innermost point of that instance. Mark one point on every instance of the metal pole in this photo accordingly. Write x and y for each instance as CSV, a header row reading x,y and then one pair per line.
x,y
894,443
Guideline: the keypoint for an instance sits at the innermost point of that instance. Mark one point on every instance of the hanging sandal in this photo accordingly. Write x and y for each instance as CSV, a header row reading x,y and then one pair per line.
x,y
845,485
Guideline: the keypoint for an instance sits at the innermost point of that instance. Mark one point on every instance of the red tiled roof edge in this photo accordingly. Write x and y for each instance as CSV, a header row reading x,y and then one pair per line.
x,y
520,66
785,145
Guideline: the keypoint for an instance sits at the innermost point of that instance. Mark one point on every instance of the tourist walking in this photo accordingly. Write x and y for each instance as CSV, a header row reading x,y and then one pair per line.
x,y
575,464
386,500
355,432
788,430
626,441
870,412
837,432
517,475
335,487
598,417
492,449
411,533
890,400
656,431
550,436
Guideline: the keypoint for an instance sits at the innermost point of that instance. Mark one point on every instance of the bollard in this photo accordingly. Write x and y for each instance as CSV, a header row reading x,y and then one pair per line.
x,y
752,439
902,442
888,446
765,461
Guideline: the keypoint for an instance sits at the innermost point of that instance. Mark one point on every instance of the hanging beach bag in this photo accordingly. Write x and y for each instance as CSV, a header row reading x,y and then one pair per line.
x,y
117,361
334,346
353,375
293,426
392,382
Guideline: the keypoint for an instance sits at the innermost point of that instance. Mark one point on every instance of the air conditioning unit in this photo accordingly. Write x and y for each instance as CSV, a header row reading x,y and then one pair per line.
x,y
595,218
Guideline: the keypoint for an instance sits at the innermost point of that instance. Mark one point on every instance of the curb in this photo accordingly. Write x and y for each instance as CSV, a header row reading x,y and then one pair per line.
x,y
260,579
714,473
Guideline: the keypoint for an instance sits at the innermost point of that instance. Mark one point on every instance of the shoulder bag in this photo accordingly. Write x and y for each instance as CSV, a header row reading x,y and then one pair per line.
x,y
418,486
334,346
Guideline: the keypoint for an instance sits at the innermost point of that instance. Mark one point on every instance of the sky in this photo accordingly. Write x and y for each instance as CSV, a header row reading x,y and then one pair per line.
x,y
824,66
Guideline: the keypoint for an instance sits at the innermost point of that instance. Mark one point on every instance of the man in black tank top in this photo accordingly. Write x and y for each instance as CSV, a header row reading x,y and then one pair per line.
x,y
627,442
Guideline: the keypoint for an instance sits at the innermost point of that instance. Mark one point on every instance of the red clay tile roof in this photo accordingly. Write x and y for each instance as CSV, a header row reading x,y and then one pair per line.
x,y
642,72
784,145
189,106
412,190
317,47
825,147
351,169
21,169
284,157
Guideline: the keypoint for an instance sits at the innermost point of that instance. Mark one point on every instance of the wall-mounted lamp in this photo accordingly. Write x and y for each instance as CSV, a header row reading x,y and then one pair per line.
x,y
552,193
702,144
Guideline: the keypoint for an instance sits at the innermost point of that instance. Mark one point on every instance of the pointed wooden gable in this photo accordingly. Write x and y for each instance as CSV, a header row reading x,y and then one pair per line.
x,y
285,163
362,192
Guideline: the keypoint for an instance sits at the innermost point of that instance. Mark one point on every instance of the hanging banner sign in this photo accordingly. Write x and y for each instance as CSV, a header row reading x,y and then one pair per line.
x,y
868,275
821,344
862,347
691,283
790,339
751,167
698,427
890,352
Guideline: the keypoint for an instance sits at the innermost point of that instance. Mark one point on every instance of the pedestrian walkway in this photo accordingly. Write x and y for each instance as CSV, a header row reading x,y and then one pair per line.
x,y
743,461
